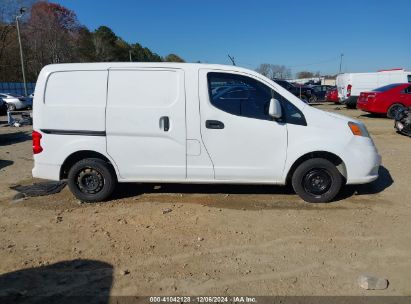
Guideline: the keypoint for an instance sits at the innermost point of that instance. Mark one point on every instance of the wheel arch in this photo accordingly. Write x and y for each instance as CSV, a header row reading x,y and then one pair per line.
x,y
79,155
335,159
400,103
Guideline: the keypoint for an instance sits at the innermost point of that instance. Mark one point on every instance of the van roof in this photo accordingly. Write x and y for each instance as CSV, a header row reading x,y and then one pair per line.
x,y
396,71
118,65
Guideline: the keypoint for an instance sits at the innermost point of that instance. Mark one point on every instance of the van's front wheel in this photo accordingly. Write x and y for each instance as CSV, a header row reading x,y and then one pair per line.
x,y
91,180
317,180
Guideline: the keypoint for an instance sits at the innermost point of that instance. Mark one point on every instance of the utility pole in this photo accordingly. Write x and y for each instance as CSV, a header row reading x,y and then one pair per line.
x,y
22,11
341,58
129,53
232,59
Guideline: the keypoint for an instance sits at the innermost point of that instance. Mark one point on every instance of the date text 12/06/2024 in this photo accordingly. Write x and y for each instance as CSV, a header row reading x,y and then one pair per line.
x,y
205,299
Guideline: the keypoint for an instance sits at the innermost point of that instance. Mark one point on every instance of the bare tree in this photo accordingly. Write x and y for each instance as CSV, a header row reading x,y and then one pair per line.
x,y
308,74
53,26
264,69
274,71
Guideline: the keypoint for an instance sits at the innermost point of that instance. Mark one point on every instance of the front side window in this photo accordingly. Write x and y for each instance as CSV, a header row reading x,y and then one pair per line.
x,y
409,78
239,95
243,96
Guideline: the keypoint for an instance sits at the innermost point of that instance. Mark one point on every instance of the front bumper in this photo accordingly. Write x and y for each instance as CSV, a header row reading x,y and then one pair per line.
x,y
363,165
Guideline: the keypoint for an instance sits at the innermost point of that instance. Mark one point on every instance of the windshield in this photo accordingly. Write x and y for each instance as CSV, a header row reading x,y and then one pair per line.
x,y
386,88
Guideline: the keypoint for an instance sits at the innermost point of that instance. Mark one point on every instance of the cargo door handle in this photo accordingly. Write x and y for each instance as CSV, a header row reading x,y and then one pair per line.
x,y
165,123
214,124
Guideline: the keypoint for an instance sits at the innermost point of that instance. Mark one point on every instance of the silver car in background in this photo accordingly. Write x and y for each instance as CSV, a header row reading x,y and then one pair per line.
x,y
16,102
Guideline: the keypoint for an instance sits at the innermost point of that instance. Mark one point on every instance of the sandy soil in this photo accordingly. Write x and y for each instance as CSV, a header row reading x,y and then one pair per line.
x,y
217,240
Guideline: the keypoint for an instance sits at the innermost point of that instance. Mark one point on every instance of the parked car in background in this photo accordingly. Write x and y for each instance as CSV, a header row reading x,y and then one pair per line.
x,y
312,83
388,100
303,92
3,108
350,85
403,121
332,95
318,92
16,102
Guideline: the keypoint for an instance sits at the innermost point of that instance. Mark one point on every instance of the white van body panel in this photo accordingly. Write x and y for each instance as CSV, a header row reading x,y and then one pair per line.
x,y
363,82
115,110
237,153
359,155
48,165
139,100
86,100
199,165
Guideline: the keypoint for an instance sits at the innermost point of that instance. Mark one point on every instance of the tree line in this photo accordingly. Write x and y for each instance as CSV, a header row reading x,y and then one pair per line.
x,y
276,71
51,33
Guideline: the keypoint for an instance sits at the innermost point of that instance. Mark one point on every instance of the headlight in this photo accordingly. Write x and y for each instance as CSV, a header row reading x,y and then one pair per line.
x,y
358,129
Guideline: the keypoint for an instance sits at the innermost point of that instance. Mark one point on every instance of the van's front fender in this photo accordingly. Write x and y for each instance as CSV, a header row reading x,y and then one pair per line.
x,y
323,133
360,159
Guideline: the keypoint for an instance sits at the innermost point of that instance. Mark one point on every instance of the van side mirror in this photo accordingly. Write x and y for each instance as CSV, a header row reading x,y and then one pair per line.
x,y
274,110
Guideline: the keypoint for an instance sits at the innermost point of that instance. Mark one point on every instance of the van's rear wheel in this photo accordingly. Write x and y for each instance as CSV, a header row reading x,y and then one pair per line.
x,y
92,180
317,180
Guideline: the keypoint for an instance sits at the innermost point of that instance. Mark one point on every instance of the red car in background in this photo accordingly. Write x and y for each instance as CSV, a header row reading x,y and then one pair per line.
x,y
386,100
332,95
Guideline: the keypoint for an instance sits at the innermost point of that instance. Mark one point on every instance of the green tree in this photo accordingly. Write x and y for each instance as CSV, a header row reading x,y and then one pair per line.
x,y
105,43
85,49
173,58
52,33
143,54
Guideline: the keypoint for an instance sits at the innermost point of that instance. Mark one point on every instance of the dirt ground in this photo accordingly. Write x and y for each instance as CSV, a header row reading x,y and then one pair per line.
x,y
217,240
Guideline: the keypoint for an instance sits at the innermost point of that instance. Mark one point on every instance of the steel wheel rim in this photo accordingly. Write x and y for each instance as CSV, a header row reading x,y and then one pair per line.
x,y
90,180
317,181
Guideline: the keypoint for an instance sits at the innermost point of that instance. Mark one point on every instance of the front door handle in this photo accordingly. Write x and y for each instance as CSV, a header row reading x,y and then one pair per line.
x,y
214,124
165,123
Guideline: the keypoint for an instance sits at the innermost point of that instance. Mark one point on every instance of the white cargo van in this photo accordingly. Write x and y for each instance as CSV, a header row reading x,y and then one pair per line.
x,y
350,85
102,123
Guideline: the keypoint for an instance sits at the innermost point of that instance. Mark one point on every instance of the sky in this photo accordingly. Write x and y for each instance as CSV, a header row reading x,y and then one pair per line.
x,y
303,35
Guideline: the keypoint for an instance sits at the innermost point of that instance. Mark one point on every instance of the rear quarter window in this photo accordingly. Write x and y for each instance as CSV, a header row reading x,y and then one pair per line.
x,y
387,87
144,88
74,100
76,88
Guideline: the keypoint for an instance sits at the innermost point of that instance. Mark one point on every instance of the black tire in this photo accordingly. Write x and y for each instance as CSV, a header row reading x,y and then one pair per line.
x,y
351,102
11,107
92,180
394,109
317,180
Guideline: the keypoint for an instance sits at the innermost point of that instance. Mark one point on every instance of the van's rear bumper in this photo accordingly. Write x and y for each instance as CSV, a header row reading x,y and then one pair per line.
x,y
46,171
370,107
